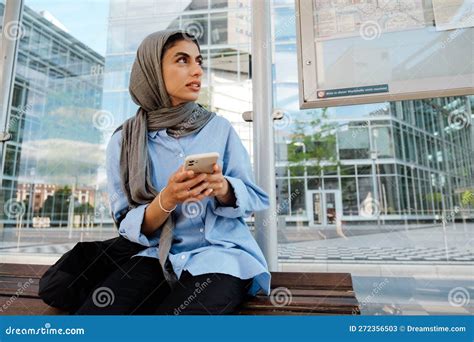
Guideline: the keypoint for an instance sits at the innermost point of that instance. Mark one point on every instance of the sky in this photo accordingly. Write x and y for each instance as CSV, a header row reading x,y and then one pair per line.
x,y
86,20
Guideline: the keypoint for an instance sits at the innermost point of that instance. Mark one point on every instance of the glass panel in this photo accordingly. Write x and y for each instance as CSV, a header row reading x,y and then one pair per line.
x,y
383,143
282,196
349,196
53,173
331,183
364,169
330,205
353,142
347,170
317,209
298,203
314,184
284,24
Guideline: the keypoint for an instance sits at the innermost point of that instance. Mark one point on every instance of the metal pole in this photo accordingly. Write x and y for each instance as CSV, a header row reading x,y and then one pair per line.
x,y
374,177
264,159
11,34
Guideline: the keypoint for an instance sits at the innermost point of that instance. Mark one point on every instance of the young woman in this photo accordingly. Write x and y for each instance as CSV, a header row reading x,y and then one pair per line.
x,y
201,257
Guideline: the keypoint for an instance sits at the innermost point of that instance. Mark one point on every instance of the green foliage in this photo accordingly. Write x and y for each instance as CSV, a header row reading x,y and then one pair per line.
x,y
56,207
467,198
319,146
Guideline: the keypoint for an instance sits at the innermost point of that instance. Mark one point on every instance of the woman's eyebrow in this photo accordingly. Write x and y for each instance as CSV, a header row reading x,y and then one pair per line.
x,y
186,55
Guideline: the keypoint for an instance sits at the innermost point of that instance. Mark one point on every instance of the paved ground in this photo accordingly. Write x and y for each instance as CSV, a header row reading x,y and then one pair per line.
x,y
414,296
434,245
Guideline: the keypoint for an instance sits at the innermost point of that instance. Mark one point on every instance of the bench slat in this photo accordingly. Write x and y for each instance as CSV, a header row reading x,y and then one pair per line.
x,y
321,293
26,306
23,270
298,280
306,302
301,280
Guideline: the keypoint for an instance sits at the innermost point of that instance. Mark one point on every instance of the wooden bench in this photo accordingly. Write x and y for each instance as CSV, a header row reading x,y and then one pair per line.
x,y
293,293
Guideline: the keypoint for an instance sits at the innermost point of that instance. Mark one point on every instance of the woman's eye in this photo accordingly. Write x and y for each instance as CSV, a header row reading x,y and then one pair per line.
x,y
182,59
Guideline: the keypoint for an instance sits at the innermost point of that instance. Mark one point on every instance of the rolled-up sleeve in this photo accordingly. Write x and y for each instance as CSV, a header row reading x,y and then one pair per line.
x,y
238,171
129,221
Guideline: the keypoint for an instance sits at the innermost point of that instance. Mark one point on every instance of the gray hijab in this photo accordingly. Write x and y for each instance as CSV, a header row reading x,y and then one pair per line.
x,y
147,89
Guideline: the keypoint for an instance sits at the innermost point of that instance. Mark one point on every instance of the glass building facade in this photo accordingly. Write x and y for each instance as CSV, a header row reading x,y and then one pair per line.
x,y
49,163
408,153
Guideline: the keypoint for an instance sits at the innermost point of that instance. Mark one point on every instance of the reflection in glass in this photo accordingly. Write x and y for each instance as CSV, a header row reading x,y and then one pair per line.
x,y
52,169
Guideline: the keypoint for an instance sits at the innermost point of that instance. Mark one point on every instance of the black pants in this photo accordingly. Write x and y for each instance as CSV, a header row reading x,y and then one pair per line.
x,y
138,287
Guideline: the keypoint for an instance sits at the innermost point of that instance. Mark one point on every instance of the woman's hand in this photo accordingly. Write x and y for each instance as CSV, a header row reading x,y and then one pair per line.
x,y
183,185
220,187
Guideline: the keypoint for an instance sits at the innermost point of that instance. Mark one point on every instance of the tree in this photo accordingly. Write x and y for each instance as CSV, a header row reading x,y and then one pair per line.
x,y
319,145
56,207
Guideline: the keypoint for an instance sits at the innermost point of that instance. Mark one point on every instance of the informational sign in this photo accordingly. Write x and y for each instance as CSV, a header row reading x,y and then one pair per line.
x,y
367,51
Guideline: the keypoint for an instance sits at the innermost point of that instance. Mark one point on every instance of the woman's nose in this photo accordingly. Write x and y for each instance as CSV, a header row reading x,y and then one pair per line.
x,y
197,70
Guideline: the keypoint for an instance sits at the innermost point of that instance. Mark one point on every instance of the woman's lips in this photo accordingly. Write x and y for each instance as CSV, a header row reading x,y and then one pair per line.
x,y
194,87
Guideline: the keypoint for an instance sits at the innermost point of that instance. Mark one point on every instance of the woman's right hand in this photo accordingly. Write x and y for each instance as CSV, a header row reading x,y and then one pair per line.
x,y
184,185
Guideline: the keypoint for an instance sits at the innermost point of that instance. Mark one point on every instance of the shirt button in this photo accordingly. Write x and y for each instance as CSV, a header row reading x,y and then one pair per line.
x,y
181,155
183,257
201,230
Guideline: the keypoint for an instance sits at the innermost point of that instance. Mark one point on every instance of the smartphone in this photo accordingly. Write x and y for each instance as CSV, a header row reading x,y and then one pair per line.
x,y
201,163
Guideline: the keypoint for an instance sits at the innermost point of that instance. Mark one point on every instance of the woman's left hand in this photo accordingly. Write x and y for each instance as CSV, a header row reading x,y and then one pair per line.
x,y
220,186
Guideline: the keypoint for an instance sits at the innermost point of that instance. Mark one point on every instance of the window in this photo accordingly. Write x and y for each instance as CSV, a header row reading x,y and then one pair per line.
x,y
354,142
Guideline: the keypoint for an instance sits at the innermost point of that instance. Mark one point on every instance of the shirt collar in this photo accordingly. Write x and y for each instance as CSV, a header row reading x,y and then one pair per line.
x,y
161,132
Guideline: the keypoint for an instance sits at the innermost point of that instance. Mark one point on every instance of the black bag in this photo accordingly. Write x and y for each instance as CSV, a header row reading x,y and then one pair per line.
x,y
68,282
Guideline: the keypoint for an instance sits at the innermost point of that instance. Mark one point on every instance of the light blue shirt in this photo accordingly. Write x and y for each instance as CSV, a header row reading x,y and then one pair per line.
x,y
208,238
